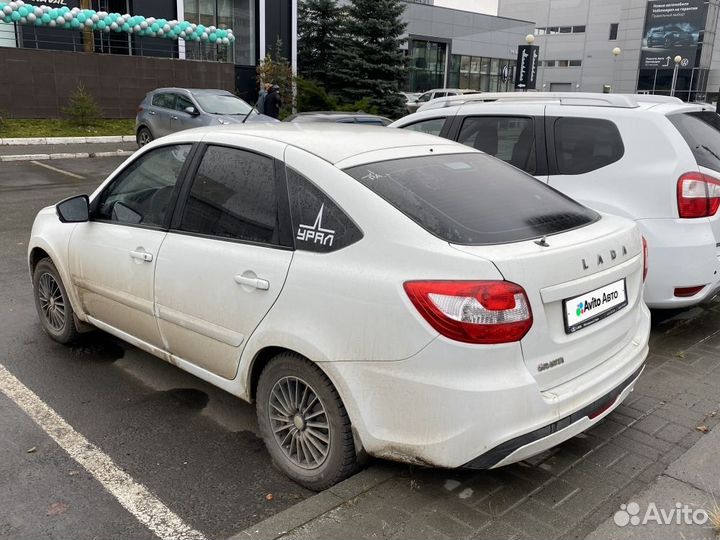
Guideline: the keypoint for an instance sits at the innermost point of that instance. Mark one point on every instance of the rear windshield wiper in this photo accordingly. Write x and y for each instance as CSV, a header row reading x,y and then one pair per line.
x,y
709,151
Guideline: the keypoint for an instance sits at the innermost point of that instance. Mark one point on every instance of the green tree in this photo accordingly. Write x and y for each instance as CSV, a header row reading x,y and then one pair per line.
x,y
82,109
320,25
369,63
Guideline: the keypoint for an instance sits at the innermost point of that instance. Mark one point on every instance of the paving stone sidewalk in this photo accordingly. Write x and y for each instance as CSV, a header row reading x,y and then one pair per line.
x,y
566,492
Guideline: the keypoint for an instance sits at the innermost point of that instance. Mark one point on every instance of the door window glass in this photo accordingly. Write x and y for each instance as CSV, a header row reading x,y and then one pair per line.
x,y
583,145
182,103
140,195
433,126
509,138
233,195
167,101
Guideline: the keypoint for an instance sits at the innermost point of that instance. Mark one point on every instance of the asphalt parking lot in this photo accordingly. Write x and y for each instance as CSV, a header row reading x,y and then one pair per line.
x,y
195,448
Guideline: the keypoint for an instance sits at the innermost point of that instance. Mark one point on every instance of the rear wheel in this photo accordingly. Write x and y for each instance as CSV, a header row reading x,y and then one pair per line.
x,y
52,303
304,423
144,136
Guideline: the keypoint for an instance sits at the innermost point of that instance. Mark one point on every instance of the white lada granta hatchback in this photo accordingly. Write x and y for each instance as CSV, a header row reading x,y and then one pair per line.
x,y
374,291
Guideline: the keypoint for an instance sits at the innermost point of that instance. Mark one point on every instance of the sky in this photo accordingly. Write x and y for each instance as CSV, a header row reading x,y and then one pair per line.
x,y
482,6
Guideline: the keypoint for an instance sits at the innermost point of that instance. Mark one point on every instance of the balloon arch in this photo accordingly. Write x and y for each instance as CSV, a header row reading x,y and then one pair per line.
x,y
77,18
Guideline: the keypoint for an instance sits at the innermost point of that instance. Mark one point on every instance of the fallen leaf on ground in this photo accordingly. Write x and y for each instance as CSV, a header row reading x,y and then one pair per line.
x,y
269,497
57,508
703,428
31,450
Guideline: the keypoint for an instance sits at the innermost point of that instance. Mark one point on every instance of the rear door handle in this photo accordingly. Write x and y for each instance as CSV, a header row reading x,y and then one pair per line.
x,y
142,255
258,283
174,117
152,113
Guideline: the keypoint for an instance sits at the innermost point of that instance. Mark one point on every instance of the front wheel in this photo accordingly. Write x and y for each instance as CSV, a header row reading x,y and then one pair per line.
x,y
144,136
304,423
52,303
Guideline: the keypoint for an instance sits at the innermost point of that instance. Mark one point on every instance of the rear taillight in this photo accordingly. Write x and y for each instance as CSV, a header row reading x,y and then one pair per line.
x,y
698,195
686,292
645,258
473,311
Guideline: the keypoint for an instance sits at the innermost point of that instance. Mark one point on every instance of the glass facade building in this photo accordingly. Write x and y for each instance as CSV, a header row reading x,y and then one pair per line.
x,y
481,73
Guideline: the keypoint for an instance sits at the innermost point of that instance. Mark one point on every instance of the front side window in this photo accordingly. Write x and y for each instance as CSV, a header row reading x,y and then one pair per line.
x,y
471,198
509,138
182,103
425,97
432,127
584,145
233,195
140,195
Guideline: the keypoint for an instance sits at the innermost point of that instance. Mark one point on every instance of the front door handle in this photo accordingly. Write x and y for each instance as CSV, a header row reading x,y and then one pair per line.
x,y
258,283
174,117
142,255
151,113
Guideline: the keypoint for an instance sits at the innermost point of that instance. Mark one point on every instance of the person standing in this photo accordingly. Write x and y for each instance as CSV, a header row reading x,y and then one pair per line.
x,y
273,102
262,95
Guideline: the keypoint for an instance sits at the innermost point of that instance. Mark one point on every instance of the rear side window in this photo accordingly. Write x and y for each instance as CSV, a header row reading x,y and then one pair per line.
x,y
701,131
318,223
432,127
583,145
509,138
166,101
472,198
234,195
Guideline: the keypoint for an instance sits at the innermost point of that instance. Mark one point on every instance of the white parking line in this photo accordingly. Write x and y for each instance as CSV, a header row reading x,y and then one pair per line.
x,y
50,167
134,497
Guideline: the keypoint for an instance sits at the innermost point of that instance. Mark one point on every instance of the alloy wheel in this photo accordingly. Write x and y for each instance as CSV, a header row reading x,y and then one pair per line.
x,y
299,422
52,302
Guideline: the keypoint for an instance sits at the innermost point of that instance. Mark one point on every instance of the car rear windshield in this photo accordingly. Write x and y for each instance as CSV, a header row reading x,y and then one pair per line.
x,y
701,130
472,199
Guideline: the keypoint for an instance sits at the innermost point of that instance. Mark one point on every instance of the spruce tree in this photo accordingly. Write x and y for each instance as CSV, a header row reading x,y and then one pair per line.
x,y
320,24
369,62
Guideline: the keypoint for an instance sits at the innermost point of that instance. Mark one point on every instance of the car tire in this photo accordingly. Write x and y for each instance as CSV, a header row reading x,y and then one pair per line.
x,y
143,137
52,303
295,399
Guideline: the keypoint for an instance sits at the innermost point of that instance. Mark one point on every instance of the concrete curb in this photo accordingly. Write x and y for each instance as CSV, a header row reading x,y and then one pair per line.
x,y
65,155
303,512
67,140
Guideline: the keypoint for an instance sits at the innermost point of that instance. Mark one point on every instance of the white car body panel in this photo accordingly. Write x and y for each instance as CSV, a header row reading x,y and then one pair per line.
x,y
411,394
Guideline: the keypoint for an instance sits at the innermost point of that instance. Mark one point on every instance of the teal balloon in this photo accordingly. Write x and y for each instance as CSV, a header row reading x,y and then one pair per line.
x,y
212,37
23,11
154,27
75,23
125,27
80,18
7,19
64,10
15,16
100,25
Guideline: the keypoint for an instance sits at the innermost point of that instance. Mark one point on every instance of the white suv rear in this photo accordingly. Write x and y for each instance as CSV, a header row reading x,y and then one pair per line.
x,y
653,159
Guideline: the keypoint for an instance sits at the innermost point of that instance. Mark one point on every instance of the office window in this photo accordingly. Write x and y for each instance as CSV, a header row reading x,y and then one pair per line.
x,y
575,63
565,29
562,63
578,29
614,31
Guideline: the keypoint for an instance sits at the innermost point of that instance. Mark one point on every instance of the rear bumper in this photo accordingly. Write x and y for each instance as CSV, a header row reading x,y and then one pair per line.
x,y
539,440
681,253
453,402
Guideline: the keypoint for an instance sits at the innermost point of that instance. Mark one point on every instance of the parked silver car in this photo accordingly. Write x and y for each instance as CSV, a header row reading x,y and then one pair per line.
x,y
167,110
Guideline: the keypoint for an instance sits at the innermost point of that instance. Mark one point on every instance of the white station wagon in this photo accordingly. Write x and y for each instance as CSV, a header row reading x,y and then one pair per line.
x,y
374,291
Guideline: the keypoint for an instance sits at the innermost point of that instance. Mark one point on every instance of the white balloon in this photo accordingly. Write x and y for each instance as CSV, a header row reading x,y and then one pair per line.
x,y
68,17
150,20
13,5
166,28
52,24
88,22
23,20
31,17
60,20
160,33
95,18
102,14
37,11
114,26
7,10
45,9
136,28
106,29
225,41
144,25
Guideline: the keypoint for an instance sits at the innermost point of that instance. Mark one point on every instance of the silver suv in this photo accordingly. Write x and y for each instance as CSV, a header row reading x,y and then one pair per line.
x,y
167,110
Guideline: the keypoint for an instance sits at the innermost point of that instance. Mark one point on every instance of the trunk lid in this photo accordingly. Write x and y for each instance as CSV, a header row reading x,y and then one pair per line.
x,y
573,264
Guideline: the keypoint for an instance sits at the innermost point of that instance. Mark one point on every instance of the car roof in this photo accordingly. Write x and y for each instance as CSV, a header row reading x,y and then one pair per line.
x,y
193,91
333,115
332,142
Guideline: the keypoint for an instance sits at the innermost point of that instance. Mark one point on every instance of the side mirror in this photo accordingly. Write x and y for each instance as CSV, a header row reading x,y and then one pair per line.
x,y
192,111
74,210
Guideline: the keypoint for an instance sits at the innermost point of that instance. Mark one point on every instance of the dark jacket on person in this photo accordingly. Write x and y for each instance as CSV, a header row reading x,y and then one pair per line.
x,y
260,104
273,104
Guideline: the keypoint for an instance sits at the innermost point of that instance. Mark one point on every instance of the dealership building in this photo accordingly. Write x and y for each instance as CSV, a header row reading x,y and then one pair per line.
x,y
630,45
